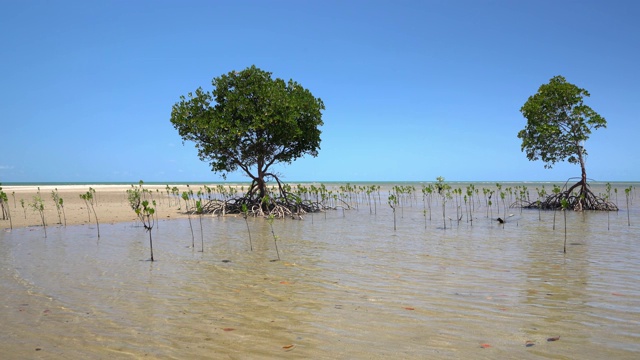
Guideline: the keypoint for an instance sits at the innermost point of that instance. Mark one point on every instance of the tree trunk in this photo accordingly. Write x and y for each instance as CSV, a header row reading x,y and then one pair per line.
x,y
583,182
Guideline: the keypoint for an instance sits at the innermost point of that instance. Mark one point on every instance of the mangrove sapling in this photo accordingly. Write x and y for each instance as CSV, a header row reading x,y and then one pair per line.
x,y
145,214
466,208
368,193
542,193
504,208
471,204
393,202
86,203
64,215
185,197
24,209
94,196
38,205
427,192
627,192
200,211
499,191
456,193
245,215
608,198
4,204
442,189
56,198
565,207
155,214
556,191
275,242
88,198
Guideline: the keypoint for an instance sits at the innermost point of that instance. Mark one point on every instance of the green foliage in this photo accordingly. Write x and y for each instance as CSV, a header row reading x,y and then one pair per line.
x,y
250,121
143,209
558,123
24,210
38,205
393,203
4,205
88,198
57,201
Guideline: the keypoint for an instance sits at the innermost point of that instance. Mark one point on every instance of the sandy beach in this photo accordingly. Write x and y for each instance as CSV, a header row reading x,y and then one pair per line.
x,y
111,204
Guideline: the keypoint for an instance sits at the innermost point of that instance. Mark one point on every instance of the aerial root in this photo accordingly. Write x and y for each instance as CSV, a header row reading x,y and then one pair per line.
x,y
585,199
277,207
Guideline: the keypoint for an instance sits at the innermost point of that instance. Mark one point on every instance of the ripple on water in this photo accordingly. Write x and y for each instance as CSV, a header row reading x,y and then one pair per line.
x,y
346,287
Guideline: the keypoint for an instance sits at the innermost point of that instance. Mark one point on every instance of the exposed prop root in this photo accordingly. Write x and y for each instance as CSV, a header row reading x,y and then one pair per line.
x,y
280,207
581,200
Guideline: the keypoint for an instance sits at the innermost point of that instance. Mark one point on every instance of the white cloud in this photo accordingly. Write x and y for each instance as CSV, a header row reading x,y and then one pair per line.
x,y
6,167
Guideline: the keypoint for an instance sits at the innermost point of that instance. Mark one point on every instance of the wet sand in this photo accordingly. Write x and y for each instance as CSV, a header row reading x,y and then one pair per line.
x,y
111,204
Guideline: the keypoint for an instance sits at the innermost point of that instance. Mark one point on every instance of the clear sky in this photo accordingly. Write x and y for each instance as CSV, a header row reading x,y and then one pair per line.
x,y
413,89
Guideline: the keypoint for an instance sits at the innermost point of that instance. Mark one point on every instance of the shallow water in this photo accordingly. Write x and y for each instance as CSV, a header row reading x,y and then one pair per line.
x,y
347,286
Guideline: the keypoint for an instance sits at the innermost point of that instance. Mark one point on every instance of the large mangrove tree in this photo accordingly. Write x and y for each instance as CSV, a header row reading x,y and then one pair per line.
x,y
558,125
250,122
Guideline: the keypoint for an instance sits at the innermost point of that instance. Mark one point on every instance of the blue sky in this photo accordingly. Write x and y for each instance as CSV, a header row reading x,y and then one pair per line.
x,y
413,89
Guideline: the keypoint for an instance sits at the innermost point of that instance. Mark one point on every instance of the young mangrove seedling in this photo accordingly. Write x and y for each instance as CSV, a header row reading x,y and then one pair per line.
x,y
38,205
24,209
145,214
185,197
627,192
542,193
608,198
56,202
245,215
565,206
88,198
393,202
4,204
86,203
504,207
275,242
556,191
155,214
443,191
200,211
64,215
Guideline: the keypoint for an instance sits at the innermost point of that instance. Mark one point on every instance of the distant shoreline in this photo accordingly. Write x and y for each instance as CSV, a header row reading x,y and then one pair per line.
x,y
226,183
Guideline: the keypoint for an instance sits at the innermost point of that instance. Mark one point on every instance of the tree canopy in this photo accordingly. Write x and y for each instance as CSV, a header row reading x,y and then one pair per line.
x,y
250,121
558,124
